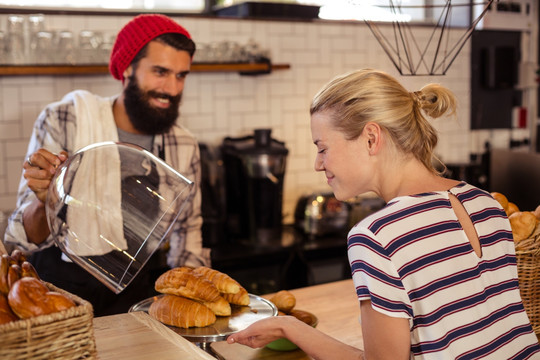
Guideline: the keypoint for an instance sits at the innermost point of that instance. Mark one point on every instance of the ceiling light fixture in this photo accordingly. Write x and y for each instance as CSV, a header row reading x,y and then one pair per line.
x,y
426,52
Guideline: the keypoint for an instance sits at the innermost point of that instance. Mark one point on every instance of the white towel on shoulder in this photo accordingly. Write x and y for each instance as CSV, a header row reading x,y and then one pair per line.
x,y
94,214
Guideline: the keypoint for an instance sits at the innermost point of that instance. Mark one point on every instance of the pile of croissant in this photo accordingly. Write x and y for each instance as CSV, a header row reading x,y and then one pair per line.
x,y
193,297
523,223
22,294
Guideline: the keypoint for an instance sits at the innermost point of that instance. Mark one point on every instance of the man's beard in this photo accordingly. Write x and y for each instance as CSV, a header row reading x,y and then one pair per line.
x,y
143,116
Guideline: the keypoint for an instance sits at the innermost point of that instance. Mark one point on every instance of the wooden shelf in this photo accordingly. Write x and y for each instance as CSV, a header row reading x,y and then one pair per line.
x,y
243,69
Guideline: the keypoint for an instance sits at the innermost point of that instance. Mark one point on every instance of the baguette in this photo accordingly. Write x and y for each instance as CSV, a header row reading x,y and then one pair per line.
x,y
223,282
181,312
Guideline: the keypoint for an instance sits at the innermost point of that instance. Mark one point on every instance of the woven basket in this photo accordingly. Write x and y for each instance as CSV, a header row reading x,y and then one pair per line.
x,y
528,265
67,334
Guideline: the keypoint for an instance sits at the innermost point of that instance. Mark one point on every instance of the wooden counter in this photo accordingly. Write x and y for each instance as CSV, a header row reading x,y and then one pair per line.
x,y
137,336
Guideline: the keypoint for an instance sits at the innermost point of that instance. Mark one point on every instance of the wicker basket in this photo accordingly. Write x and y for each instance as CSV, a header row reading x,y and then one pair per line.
x,y
528,265
68,334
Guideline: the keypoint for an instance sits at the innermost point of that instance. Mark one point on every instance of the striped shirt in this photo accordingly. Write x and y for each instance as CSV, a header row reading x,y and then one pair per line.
x,y
413,260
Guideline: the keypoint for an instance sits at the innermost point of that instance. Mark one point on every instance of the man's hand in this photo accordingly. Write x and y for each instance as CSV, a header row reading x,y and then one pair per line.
x,y
39,169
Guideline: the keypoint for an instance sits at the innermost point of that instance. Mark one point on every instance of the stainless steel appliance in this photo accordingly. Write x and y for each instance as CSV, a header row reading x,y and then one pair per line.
x,y
320,214
254,173
213,195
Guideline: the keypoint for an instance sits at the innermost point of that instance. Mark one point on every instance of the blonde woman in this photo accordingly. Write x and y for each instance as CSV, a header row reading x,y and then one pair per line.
x,y
435,270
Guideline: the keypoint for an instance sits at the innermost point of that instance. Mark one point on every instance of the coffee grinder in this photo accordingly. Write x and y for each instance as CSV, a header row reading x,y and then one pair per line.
x,y
254,172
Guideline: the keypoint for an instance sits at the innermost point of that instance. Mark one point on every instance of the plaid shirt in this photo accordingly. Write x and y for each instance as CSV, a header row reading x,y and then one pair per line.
x,y
55,129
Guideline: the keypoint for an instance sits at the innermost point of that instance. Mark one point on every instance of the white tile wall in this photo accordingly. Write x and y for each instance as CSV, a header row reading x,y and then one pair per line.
x,y
227,104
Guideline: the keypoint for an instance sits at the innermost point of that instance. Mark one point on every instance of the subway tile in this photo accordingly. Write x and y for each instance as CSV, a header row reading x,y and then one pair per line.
x,y
219,104
9,130
7,201
16,149
10,100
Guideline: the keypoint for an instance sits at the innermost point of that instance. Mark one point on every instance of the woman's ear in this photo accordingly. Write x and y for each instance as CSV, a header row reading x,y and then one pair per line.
x,y
372,132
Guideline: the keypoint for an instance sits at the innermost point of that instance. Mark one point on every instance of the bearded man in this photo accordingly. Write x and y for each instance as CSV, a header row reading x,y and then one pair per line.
x,y
152,56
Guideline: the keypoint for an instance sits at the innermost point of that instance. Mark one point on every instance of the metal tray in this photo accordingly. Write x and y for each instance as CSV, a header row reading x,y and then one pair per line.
x,y
241,317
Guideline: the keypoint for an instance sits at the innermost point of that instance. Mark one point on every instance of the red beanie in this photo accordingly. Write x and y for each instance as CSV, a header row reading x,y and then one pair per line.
x,y
135,35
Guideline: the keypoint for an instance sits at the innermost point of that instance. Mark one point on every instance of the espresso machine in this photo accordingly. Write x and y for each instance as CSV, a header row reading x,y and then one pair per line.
x,y
254,173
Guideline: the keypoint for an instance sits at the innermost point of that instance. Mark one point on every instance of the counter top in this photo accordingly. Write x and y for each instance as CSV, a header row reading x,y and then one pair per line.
x,y
136,335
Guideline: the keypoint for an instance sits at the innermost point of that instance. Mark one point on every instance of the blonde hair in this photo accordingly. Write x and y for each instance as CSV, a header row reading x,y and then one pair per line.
x,y
367,95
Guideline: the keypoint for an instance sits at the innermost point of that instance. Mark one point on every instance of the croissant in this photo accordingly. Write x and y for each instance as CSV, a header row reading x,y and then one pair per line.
x,y
240,298
220,307
181,312
284,301
183,281
223,282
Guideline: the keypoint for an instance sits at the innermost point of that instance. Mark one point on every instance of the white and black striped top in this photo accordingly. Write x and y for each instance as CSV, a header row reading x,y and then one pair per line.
x,y
413,260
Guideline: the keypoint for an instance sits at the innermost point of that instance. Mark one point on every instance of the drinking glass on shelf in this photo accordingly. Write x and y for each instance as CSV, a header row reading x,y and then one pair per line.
x,y
65,47
2,47
44,48
106,48
36,23
15,41
87,47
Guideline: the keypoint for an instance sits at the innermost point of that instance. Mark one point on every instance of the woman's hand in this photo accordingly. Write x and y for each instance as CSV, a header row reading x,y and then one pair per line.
x,y
262,332
39,169
314,343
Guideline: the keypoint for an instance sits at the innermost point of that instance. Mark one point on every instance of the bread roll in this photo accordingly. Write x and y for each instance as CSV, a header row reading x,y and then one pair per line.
x,y
501,199
18,256
14,274
523,224
303,316
28,270
537,212
6,314
511,208
30,297
4,269
223,282
182,281
181,312
284,301
240,298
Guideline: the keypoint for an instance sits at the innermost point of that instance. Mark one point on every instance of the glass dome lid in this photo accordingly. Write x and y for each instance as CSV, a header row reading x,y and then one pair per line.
x,y
110,206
